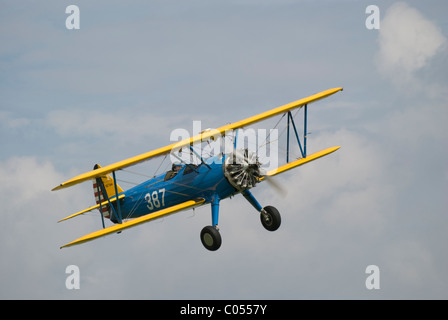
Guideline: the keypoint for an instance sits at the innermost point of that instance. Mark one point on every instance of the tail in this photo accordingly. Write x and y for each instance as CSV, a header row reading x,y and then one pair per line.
x,y
108,182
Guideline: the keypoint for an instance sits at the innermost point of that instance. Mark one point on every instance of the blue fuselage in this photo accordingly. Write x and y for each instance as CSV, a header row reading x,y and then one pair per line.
x,y
169,189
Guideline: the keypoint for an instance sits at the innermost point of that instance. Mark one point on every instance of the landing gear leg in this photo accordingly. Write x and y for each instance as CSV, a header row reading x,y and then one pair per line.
x,y
269,216
210,236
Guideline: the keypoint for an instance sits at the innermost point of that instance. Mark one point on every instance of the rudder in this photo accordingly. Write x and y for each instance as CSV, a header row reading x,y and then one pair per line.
x,y
108,183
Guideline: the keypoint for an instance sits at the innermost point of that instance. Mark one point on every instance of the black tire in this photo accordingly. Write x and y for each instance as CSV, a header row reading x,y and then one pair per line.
x,y
211,238
270,219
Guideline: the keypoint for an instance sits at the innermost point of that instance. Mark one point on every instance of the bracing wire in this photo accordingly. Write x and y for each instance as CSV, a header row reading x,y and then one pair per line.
x,y
282,132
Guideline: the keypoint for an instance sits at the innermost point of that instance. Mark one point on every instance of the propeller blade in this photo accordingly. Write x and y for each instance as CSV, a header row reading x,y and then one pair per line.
x,y
278,188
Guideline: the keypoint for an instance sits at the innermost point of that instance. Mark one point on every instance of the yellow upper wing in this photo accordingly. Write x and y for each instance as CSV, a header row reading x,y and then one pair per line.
x,y
200,137
135,222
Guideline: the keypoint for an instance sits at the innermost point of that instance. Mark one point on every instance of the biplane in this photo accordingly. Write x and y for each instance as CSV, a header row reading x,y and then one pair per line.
x,y
188,185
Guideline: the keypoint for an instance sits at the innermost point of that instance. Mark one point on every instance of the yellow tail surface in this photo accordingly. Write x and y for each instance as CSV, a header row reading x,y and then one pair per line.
x,y
108,183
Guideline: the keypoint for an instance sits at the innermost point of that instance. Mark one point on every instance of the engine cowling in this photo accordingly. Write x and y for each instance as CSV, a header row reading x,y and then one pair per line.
x,y
242,169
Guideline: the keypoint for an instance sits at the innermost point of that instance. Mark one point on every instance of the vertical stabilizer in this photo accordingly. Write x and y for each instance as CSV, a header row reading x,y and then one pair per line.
x,y
104,184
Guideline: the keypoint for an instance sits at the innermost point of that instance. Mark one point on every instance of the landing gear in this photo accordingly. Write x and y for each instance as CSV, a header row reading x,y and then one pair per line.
x,y
270,218
211,238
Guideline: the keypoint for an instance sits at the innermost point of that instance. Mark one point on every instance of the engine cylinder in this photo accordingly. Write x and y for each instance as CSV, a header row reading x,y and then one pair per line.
x,y
242,169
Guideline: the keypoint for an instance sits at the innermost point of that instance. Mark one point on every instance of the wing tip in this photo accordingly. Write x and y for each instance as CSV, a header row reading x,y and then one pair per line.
x,y
64,246
67,245
59,187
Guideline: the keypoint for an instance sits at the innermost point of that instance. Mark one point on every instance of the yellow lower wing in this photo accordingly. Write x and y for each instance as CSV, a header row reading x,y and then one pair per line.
x,y
132,223
113,199
301,161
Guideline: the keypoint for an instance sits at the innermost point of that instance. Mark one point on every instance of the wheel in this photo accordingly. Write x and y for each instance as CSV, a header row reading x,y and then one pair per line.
x,y
211,238
270,218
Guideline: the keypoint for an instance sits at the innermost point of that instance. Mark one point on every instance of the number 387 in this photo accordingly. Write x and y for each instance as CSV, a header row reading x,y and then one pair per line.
x,y
154,201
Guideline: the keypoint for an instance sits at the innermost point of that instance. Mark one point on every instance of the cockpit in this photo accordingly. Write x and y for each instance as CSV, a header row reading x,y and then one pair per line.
x,y
176,168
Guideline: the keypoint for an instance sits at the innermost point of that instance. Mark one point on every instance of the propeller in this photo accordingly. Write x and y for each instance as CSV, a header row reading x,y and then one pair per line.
x,y
243,170
277,187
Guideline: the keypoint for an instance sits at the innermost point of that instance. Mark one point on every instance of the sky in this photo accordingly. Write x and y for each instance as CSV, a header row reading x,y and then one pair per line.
x,y
137,70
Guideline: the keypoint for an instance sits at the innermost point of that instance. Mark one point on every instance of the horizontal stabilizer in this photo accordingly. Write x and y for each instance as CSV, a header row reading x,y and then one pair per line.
x,y
301,161
134,222
113,199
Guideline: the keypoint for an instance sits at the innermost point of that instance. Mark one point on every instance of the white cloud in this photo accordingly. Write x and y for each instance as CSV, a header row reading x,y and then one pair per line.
x,y
350,186
407,43
408,264
7,120
24,179
123,125
30,236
